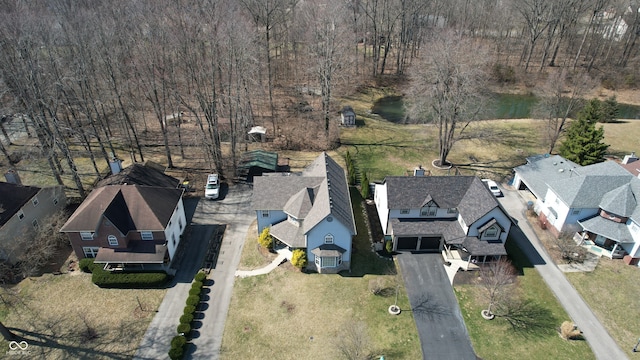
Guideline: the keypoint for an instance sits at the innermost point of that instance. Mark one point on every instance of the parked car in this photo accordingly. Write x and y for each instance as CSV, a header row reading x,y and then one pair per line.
x,y
212,189
493,187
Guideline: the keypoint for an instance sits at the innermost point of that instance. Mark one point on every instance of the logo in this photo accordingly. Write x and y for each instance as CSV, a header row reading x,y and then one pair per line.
x,y
22,345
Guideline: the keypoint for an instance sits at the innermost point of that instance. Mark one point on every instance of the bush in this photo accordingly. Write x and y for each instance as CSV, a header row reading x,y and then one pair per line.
x,y
178,341
194,291
569,331
86,265
200,277
106,279
388,246
265,240
193,300
189,309
299,258
175,353
196,285
186,319
184,328
504,74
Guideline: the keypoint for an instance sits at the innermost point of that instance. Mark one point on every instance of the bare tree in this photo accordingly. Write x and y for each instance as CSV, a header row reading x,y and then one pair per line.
x,y
352,341
447,87
497,280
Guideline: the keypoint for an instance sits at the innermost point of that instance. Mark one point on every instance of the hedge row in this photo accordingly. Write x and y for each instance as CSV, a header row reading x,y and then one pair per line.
x,y
107,279
179,341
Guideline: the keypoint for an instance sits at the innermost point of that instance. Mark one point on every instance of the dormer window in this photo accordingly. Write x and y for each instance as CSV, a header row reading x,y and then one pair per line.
x,y
491,232
429,210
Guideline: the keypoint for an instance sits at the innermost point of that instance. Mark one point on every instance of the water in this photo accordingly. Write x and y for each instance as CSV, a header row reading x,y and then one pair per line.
x,y
502,106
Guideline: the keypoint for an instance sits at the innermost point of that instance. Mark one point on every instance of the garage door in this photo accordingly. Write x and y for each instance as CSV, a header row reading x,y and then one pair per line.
x,y
430,244
407,243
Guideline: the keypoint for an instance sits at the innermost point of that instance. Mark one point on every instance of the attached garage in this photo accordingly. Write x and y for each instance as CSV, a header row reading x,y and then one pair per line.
x,y
430,243
407,243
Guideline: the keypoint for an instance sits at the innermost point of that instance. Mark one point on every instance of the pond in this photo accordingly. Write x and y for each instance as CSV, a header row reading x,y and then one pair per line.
x,y
502,106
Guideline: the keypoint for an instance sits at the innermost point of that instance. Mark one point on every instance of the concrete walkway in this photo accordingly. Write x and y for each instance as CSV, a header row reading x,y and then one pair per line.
x,y
283,255
601,343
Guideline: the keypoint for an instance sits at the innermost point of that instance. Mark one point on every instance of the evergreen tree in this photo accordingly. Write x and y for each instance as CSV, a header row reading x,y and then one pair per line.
x,y
610,110
364,185
583,143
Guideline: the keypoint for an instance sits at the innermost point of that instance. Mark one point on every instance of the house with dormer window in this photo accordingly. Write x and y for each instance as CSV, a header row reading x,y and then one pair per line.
x,y
455,215
128,227
311,210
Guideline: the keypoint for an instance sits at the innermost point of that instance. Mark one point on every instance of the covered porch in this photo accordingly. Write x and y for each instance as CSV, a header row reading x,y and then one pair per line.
x,y
469,253
604,237
139,256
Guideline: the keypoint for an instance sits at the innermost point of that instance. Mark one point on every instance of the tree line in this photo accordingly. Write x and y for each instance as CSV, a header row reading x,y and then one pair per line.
x,y
99,76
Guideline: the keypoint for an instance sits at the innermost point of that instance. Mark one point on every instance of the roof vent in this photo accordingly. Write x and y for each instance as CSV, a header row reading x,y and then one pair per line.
x,y
560,170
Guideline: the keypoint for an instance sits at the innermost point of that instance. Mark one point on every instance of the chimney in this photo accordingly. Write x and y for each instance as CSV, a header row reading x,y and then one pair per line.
x,y
13,177
628,159
115,164
419,171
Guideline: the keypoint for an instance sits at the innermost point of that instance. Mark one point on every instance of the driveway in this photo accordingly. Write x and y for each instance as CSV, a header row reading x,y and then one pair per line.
x,y
601,343
443,334
233,214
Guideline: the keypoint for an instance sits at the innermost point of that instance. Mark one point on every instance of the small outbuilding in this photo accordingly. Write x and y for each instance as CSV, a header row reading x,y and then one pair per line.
x,y
347,116
257,162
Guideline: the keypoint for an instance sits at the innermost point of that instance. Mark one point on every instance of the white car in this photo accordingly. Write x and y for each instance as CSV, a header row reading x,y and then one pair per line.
x,y
493,187
212,190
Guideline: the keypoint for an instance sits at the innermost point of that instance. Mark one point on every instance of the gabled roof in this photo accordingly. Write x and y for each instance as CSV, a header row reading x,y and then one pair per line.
x,y
540,170
466,193
128,207
138,174
327,192
587,191
12,199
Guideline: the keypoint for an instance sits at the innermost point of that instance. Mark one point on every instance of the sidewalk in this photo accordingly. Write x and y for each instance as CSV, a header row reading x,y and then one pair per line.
x,y
601,343
283,255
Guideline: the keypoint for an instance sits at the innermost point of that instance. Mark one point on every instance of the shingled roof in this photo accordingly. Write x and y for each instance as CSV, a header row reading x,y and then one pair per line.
x,y
128,207
138,174
12,198
319,191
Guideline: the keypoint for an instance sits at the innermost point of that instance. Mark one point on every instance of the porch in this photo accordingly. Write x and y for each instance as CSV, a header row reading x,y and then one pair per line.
x,y
459,259
600,247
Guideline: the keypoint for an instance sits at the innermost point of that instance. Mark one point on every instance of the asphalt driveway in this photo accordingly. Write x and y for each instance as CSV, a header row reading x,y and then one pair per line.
x,y
443,334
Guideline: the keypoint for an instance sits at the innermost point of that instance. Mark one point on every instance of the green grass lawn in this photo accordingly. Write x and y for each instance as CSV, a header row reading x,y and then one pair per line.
x,y
612,293
539,339
288,314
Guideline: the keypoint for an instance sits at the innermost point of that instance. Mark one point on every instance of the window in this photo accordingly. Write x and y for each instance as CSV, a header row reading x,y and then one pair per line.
x,y
86,236
34,223
113,241
20,215
328,239
173,240
452,211
90,251
430,210
180,223
317,261
329,261
491,232
146,235
404,211
265,213
575,212
35,201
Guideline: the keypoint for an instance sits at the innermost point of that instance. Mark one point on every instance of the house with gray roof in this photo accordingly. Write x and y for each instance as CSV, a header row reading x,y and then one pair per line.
x,y
455,215
598,202
310,210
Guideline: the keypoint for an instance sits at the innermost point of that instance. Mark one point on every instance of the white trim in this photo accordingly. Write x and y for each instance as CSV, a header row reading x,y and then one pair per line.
x,y
113,240
146,235
85,235
329,239
90,251
20,215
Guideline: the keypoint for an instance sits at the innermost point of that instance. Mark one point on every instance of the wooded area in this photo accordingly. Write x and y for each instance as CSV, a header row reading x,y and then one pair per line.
x,y
115,77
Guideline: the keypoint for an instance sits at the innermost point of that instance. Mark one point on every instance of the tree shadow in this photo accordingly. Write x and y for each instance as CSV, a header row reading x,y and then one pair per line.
x,y
528,318
428,306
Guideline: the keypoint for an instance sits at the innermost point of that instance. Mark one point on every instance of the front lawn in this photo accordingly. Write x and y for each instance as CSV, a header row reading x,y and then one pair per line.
x,y
538,338
288,314
611,291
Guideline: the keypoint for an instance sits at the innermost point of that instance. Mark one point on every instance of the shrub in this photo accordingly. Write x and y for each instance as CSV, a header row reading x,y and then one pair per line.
x,y
184,328
376,285
299,258
86,264
189,309
388,246
200,276
175,353
265,240
503,74
106,279
196,285
364,185
186,319
569,331
193,300
194,291
178,341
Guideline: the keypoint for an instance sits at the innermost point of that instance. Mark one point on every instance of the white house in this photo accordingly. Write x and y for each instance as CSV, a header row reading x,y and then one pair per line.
x,y
456,215
311,210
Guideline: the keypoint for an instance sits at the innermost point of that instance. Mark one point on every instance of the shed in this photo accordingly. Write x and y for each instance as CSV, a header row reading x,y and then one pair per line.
x,y
257,162
347,116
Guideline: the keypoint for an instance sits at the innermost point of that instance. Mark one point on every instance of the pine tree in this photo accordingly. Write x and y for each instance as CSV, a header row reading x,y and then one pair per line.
x,y
583,143
364,185
610,110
